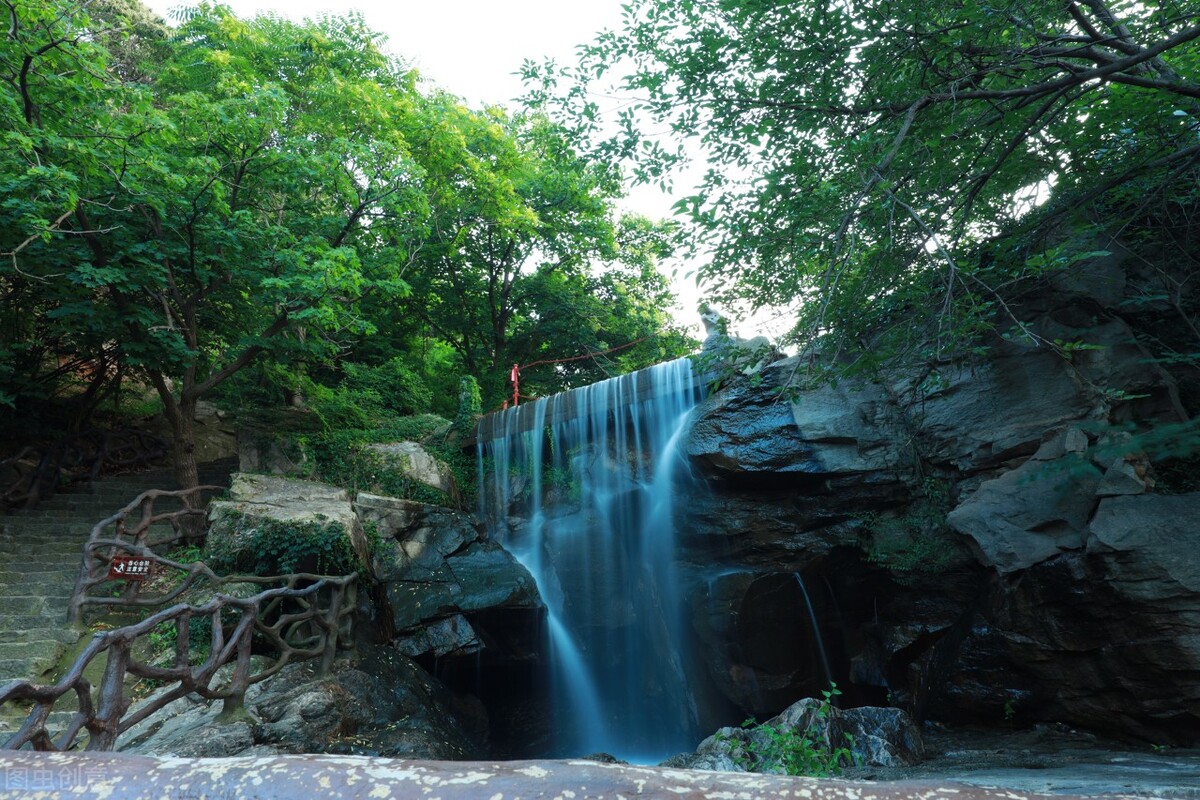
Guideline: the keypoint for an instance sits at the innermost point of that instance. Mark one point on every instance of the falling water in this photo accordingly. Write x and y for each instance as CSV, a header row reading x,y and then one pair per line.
x,y
816,629
579,488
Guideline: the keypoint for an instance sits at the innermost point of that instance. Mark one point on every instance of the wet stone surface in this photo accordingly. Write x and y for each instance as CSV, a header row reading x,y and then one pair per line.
x,y
117,776
1051,760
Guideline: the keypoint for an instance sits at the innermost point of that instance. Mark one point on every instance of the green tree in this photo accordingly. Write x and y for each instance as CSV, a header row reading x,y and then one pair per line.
x,y
581,326
57,100
240,203
520,222
863,153
180,204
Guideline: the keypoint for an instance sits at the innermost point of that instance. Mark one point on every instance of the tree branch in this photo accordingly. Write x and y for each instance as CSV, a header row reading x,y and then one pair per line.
x,y
245,357
33,238
978,183
1083,22
1103,72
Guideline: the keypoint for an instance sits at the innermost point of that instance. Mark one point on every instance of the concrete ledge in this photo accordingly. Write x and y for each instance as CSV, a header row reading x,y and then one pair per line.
x,y
118,776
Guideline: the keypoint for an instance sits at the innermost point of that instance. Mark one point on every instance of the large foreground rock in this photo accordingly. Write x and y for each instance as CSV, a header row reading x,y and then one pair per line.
x,y
257,501
119,776
383,704
877,737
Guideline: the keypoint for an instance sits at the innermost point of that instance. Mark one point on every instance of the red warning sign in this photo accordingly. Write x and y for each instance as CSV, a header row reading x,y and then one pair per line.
x,y
129,568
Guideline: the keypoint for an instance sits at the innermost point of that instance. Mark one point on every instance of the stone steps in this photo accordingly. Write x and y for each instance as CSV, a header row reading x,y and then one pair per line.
x,y
46,580
41,551
33,604
60,635
52,563
44,552
29,623
43,650
52,536
58,588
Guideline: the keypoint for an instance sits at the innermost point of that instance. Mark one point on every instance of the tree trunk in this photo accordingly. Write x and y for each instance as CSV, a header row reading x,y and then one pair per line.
x,y
183,428
181,414
187,474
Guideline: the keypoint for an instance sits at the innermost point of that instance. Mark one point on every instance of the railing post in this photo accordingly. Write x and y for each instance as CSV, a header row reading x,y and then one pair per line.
x,y
183,639
103,735
331,629
233,707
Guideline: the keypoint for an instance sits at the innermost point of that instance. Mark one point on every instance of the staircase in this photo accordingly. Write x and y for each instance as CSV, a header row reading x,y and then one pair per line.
x,y
40,554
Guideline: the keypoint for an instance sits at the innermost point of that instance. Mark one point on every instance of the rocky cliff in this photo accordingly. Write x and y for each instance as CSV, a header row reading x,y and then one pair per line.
x,y
1009,540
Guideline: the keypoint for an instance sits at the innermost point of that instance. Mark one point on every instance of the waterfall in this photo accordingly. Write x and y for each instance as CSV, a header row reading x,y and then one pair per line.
x,y
579,487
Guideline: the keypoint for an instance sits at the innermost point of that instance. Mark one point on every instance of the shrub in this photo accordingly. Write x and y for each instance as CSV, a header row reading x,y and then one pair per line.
x,y
768,748
390,385
270,547
918,540
342,458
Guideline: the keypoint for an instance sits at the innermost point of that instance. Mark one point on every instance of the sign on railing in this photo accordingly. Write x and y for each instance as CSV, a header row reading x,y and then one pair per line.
x,y
129,568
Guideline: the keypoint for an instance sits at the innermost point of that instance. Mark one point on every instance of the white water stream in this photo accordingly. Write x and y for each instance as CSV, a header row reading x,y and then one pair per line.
x,y
580,487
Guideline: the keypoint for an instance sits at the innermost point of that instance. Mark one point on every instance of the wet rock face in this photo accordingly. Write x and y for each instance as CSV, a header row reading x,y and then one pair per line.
x,y
466,610
747,429
1044,577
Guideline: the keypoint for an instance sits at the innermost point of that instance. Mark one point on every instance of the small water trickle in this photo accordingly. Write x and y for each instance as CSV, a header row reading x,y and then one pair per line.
x,y
580,489
816,630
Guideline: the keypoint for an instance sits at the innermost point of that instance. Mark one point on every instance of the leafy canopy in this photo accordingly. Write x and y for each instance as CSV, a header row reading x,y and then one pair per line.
x,y
863,153
181,204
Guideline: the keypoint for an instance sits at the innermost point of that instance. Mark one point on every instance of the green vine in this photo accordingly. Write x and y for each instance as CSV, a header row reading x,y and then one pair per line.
x,y
270,547
917,541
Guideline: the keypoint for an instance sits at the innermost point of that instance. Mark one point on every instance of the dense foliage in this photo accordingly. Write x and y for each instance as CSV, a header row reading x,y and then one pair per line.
x,y
271,547
273,209
898,171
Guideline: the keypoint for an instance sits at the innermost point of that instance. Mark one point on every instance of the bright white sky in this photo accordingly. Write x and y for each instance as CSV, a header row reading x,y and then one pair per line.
x,y
470,47
473,48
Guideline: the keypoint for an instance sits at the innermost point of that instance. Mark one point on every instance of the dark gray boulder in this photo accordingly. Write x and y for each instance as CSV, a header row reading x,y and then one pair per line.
x,y
437,571
881,737
1030,513
380,704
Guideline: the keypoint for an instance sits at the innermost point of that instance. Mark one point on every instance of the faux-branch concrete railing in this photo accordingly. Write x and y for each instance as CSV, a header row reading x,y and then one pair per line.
x,y
102,546
303,631
302,619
